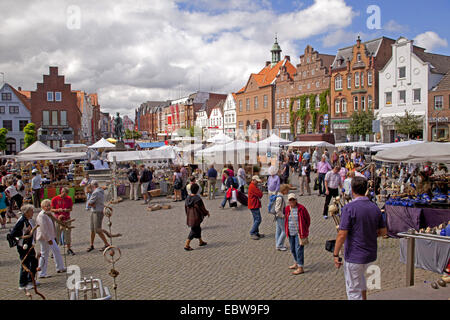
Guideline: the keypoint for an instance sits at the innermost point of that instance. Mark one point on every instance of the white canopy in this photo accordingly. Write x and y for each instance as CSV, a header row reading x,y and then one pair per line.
x,y
358,144
418,152
37,147
273,140
102,143
165,148
238,145
51,156
192,147
311,144
220,138
144,155
394,145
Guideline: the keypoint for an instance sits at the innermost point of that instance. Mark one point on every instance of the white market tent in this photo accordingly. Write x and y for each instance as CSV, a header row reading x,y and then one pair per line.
x,y
40,151
273,140
101,144
220,138
165,148
394,145
321,144
192,147
416,153
144,155
37,147
358,144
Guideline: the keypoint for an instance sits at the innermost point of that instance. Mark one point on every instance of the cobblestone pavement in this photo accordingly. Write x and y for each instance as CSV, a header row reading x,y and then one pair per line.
x,y
232,266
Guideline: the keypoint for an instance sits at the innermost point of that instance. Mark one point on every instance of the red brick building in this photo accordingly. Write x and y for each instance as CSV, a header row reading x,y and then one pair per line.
x,y
55,112
312,77
255,102
439,110
354,81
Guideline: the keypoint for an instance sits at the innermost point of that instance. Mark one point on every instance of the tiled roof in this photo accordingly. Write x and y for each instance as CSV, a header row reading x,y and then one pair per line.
x,y
440,63
268,74
27,94
372,47
25,100
444,84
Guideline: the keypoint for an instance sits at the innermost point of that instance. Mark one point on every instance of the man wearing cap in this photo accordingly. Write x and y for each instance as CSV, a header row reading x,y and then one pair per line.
x,y
36,188
254,204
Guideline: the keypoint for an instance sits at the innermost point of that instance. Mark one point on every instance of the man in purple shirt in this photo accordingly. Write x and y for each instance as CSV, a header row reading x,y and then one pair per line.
x,y
361,224
322,168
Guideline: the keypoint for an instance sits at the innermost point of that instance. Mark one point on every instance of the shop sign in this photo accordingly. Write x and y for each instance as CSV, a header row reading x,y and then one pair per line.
x,y
439,119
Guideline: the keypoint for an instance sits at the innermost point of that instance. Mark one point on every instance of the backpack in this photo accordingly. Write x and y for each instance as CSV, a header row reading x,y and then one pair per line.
x,y
272,201
235,183
132,176
12,241
145,176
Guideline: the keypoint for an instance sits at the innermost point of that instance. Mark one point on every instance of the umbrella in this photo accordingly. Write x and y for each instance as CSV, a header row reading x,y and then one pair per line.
x,y
102,143
220,138
273,140
418,152
394,145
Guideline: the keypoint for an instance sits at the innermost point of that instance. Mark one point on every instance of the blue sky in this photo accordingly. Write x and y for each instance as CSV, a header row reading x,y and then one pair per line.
x,y
132,51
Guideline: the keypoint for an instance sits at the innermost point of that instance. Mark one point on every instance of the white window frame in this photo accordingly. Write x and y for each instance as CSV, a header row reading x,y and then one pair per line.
x,y
369,102
58,93
337,108
63,120
355,103
349,81
356,79
363,103
399,97
441,98
386,98
369,78
362,79
50,96
399,74
414,95
344,105
338,82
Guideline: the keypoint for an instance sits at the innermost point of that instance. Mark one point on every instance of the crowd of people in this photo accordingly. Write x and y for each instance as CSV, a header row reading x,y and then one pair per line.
x,y
342,173
47,222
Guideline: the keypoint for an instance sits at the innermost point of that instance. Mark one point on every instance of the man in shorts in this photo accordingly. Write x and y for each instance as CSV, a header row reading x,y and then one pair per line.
x,y
361,224
97,204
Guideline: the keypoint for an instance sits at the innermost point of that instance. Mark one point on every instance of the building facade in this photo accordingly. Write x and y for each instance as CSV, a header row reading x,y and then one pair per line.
x,y
229,115
255,102
404,84
105,125
215,121
128,123
55,111
354,83
312,77
15,114
439,110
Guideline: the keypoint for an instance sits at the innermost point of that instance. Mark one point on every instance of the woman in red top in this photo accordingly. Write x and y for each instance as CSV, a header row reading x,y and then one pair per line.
x,y
61,208
254,204
296,224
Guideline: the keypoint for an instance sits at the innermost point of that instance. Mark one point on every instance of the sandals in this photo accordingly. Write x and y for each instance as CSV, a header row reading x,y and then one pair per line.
x,y
298,271
203,244
293,267
188,248
90,249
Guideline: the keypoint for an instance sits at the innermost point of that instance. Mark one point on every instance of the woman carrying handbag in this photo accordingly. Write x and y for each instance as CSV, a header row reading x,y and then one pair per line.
x,y
297,223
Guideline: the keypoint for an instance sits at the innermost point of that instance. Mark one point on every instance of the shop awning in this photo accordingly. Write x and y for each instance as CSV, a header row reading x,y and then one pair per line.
x,y
146,145
416,153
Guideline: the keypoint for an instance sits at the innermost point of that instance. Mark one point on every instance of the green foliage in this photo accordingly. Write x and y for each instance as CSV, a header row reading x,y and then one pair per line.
x,y
3,132
132,134
361,123
409,124
302,112
30,134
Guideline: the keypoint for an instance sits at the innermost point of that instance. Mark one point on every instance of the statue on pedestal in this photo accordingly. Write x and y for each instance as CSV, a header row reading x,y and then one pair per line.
x,y
118,127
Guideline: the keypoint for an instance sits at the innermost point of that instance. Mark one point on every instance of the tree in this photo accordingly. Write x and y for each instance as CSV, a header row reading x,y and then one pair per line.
x,y
361,123
132,134
30,134
409,124
3,132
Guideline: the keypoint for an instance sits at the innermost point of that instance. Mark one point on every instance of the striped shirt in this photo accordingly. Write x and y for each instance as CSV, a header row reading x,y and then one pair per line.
x,y
293,222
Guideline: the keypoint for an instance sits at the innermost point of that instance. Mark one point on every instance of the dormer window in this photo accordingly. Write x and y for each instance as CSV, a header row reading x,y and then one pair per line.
x,y
358,57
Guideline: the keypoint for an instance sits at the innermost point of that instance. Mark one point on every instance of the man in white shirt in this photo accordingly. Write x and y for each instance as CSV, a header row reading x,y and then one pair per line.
x,y
36,187
333,183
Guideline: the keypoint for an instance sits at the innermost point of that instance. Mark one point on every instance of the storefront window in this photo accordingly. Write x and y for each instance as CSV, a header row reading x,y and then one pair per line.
x,y
442,132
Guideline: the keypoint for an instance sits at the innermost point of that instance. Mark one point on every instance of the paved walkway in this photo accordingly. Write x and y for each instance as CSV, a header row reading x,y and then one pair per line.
x,y
232,266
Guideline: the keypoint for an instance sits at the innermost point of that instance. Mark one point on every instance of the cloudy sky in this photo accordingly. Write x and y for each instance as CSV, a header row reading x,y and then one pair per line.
x,y
131,51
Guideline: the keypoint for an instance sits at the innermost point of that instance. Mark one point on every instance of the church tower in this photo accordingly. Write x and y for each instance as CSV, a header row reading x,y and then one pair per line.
x,y
276,52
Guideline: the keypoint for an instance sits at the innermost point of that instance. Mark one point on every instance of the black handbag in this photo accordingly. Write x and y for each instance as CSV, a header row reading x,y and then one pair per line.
x,y
11,240
329,245
316,184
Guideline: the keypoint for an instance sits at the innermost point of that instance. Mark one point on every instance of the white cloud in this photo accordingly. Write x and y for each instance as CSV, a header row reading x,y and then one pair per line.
x,y
430,40
342,36
130,51
393,26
